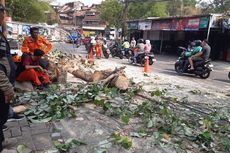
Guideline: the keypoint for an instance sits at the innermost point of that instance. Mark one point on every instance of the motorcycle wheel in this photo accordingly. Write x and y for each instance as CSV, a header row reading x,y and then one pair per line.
x,y
106,56
229,75
143,62
130,60
120,56
205,74
150,61
177,67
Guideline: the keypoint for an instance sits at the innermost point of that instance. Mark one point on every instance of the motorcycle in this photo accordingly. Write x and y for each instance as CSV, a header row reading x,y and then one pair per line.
x,y
106,51
201,68
140,59
116,51
126,53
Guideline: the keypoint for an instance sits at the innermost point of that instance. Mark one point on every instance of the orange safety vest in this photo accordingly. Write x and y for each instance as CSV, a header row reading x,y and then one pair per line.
x,y
29,45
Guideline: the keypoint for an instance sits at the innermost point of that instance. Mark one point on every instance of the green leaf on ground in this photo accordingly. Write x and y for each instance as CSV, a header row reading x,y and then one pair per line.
x,y
22,149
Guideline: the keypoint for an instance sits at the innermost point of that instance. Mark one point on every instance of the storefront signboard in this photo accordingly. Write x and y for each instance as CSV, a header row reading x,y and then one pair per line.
x,y
204,21
133,25
193,24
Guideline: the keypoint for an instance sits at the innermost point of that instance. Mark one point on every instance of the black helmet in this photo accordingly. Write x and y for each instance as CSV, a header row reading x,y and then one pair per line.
x,y
197,42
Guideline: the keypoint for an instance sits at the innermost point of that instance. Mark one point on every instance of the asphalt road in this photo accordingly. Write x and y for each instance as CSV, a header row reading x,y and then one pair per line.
x,y
165,64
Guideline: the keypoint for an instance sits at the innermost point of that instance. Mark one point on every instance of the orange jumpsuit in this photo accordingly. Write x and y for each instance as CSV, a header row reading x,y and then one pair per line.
x,y
31,74
98,48
29,45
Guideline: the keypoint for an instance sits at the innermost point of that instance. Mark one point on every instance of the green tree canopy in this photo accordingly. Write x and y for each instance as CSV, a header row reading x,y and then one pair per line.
x,y
147,9
111,11
215,6
32,11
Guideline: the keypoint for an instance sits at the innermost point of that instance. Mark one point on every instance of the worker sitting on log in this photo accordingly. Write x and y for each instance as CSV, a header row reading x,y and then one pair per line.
x,y
36,42
30,70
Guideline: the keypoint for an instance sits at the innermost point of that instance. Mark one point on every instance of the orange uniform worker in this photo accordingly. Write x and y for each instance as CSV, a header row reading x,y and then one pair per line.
x,y
98,48
30,70
35,42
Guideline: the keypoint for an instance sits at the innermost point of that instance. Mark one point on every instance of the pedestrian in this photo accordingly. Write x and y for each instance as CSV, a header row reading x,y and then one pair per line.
x,y
6,77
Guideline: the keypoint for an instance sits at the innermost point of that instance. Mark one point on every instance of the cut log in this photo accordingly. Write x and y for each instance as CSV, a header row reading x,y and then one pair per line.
x,y
97,76
84,75
121,82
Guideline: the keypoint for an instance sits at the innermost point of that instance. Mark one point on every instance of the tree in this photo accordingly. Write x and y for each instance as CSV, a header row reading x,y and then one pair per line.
x,y
111,11
215,6
32,11
147,9
182,7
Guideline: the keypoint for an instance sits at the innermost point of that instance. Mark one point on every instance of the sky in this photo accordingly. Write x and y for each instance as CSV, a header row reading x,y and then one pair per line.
x,y
86,2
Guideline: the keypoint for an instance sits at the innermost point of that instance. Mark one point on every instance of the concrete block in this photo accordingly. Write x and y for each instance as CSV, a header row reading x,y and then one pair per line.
x,y
7,133
16,131
38,126
12,124
24,122
23,86
40,131
42,142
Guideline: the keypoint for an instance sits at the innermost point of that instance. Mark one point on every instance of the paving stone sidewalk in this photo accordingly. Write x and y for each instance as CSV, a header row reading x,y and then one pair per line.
x,y
37,137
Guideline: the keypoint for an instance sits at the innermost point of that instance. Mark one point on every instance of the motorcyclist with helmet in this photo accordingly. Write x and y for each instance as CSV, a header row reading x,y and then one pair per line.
x,y
193,49
140,46
200,53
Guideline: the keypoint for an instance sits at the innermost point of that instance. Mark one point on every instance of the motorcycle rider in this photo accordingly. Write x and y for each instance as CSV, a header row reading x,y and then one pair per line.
x,y
148,46
200,54
133,43
126,45
141,47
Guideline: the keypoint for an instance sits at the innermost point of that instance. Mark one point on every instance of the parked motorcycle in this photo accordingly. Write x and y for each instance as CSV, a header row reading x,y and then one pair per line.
x,y
106,51
127,53
116,51
140,59
201,68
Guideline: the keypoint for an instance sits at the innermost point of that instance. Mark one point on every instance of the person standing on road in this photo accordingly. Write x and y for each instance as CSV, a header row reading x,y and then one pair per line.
x,y
6,78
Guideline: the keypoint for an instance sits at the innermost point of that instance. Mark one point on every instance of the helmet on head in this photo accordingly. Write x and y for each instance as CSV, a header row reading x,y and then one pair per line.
x,y
197,43
141,41
147,41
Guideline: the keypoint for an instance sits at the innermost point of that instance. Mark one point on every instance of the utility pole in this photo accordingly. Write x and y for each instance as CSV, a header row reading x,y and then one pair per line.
x,y
4,31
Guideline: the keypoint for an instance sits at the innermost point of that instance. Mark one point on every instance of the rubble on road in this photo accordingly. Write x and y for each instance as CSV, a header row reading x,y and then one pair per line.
x,y
110,113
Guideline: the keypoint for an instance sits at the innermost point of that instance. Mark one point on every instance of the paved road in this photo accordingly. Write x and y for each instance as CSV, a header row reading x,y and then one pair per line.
x,y
165,65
